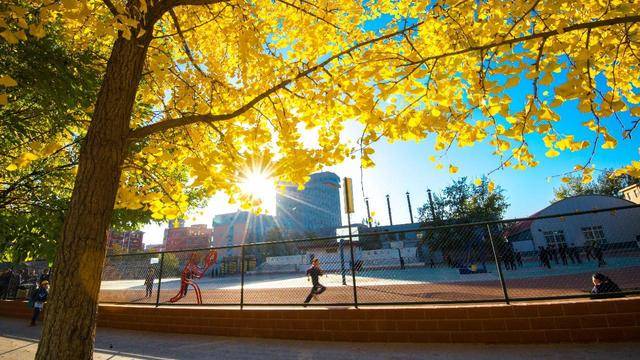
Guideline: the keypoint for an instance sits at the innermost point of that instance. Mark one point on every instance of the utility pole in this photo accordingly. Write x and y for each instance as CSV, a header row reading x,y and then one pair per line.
x,y
409,204
433,211
389,209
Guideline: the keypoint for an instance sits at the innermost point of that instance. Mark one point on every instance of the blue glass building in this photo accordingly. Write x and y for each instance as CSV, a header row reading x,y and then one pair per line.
x,y
315,209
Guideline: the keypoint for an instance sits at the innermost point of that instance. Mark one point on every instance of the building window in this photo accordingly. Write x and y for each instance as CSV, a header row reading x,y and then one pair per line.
x,y
554,237
594,234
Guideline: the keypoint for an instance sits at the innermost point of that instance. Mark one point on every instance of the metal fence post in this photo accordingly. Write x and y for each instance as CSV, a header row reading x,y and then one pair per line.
x,y
353,264
242,277
160,278
498,266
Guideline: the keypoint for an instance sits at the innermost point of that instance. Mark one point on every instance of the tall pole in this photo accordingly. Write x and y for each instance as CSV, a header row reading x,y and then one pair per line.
x,y
343,271
498,266
160,278
409,204
353,263
366,201
389,209
242,277
350,208
433,211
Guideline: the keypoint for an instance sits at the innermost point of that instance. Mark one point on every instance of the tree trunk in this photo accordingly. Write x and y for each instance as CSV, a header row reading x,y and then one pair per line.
x,y
69,328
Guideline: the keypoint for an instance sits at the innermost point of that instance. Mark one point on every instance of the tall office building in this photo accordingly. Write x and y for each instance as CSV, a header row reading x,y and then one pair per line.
x,y
241,227
314,209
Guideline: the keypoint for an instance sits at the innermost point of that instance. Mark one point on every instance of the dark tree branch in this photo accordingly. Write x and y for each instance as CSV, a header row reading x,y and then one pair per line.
x,y
173,123
187,50
111,7
542,35
190,119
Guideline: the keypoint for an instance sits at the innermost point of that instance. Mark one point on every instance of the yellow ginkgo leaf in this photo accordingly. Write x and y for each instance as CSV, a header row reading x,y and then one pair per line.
x,y
12,167
7,81
4,99
9,37
610,142
157,216
565,179
37,31
432,158
453,169
478,182
551,153
491,186
439,166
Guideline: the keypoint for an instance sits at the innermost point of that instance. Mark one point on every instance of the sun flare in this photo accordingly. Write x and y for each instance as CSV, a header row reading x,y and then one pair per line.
x,y
262,187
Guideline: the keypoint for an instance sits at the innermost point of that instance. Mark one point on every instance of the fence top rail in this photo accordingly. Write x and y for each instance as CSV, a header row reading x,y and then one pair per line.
x,y
394,232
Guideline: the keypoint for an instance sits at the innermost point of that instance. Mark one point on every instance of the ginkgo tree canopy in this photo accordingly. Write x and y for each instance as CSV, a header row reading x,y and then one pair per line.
x,y
229,86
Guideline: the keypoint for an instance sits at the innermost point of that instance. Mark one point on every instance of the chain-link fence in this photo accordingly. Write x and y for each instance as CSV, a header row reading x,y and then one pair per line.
x,y
542,257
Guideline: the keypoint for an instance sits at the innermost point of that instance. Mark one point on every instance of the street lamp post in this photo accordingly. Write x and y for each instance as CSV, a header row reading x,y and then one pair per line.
x,y
389,209
366,201
409,204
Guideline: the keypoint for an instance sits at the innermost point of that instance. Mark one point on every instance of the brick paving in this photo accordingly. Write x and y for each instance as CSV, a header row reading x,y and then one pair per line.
x,y
17,341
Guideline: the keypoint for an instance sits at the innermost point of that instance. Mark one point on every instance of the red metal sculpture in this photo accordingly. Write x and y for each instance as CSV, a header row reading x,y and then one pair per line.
x,y
193,272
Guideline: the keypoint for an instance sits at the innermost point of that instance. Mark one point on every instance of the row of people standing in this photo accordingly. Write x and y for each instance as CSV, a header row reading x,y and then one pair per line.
x,y
12,280
563,253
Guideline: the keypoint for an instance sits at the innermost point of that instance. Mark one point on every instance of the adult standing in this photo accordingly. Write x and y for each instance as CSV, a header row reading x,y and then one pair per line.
x,y
553,251
4,283
148,281
38,299
562,249
597,251
14,283
45,276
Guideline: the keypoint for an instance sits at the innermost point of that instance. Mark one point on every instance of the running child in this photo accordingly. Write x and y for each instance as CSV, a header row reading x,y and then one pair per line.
x,y
314,273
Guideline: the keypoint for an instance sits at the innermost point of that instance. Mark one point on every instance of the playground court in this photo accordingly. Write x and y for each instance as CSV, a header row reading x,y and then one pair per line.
x,y
410,285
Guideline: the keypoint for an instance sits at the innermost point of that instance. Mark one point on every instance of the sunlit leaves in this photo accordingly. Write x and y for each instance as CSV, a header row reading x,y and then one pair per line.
x,y
453,74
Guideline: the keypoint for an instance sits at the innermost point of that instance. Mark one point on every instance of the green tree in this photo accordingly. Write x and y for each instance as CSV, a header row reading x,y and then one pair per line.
x,y
607,183
58,87
464,202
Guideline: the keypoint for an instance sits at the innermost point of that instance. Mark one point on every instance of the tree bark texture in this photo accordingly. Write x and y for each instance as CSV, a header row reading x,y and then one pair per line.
x,y
69,328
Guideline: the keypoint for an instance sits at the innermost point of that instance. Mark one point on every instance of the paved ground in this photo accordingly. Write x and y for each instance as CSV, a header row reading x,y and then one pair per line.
x,y
17,341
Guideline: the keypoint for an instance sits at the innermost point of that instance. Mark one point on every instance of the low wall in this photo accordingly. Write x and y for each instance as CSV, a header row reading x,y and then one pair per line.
x,y
567,321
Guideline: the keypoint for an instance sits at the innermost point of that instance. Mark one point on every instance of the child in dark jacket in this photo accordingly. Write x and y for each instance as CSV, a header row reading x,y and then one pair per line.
x,y
604,287
38,298
314,272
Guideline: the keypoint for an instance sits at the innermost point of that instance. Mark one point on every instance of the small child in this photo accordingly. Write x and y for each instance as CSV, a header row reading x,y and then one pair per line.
x,y
38,299
314,272
603,286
